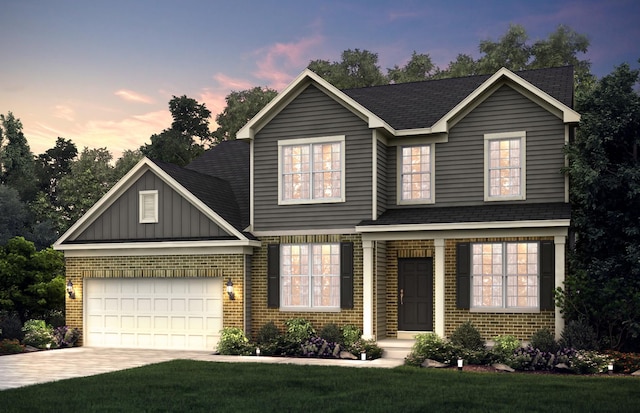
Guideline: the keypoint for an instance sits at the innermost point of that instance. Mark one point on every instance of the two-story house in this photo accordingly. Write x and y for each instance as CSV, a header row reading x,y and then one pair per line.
x,y
399,209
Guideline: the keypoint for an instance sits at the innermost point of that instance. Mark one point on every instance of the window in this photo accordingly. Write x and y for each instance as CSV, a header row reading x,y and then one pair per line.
x,y
505,275
311,170
148,204
505,172
416,174
310,276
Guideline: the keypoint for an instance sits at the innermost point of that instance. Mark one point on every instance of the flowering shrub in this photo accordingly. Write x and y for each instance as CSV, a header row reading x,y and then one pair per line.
x,y
319,347
625,362
65,336
589,362
530,359
37,334
431,346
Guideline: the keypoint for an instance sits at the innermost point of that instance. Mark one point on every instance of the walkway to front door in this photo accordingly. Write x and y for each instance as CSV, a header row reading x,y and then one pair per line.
x,y
415,294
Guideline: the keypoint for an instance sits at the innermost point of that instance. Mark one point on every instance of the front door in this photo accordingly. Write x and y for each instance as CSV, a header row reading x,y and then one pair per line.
x,y
415,294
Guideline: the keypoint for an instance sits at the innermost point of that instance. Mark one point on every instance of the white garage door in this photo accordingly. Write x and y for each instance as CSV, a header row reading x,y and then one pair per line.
x,y
156,313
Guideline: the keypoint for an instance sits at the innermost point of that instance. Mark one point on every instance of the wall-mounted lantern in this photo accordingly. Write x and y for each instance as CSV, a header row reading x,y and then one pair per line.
x,y
232,296
70,290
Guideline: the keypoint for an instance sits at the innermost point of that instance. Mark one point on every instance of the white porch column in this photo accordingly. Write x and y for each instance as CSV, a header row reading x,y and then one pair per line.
x,y
439,287
367,289
559,243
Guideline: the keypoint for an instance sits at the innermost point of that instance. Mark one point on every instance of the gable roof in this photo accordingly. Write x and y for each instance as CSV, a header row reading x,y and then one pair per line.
x,y
429,106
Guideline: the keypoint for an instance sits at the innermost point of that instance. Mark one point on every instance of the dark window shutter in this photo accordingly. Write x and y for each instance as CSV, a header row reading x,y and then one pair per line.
x,y
273,275
547,275
463,276
346,275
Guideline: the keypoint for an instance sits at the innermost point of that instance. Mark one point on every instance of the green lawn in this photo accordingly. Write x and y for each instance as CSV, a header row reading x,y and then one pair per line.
x,y
185,385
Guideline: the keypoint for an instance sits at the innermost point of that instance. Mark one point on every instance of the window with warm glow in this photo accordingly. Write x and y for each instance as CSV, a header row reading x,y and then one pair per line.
x,y
310,276
312,170
416,174
505,166
505,275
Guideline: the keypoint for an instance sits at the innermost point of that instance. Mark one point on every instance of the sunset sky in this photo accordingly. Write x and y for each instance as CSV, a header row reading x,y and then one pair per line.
x,y
101,73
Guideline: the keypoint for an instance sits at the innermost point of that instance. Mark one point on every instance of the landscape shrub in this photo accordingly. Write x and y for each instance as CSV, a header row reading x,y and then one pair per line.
x,y
319,347
350,334
10,346
503,348
467,336
625,362
578,334
531,359
543,340
431,346
11,326
38,334
233,342
589,362
299,330
65,336
269,339
370,347
331,332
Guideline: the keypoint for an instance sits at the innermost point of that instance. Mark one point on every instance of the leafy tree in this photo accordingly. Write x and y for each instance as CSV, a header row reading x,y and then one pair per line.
x,y
127,161
176,144
603,286
31,282
241,107
358,68
420,67
16,159
13,216
511,51
90,178
53,164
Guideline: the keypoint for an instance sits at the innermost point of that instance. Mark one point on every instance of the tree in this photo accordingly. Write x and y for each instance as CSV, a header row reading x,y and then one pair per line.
x,y
16,159
420,67
90,178
31,282
53,164
511,51
127,161
241,107
603,285
13,216
358,68
176,144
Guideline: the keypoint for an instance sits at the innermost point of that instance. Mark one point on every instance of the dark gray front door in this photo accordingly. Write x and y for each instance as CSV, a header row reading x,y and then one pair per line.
x,y
415,294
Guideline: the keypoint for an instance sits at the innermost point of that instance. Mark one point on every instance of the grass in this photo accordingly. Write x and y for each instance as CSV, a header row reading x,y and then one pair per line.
x,y
186,385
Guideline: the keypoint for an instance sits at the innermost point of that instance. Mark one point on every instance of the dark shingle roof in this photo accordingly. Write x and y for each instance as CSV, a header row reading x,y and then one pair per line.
x,y
421,104
480,213
214,192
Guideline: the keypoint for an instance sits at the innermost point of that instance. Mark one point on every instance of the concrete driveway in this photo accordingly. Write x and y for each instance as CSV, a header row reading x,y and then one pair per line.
x,y
25,369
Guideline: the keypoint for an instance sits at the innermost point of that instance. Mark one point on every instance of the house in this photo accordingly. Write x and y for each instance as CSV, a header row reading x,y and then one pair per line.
x,y
400,209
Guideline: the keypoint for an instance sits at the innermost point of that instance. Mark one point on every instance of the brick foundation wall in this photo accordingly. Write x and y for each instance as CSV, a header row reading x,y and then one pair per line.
x,y
260,314
227,265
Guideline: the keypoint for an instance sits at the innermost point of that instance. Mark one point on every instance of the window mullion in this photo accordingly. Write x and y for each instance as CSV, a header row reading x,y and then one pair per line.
x,y
505,276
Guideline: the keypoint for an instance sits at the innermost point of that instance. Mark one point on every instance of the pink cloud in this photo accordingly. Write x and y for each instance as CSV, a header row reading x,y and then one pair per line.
x,y
131,96
229,83
277,61
64,112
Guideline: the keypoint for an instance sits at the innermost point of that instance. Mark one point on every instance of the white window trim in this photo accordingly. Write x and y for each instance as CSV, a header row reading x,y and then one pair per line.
x,y
141,197
432,156
318,309
522,135
504,309
310,141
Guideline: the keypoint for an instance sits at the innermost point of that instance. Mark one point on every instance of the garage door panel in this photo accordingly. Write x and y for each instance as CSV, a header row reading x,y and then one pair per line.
x,y
167,313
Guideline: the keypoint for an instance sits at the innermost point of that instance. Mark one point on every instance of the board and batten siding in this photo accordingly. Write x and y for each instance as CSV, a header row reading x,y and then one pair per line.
x,y
312,114
459,163
177,217
383,185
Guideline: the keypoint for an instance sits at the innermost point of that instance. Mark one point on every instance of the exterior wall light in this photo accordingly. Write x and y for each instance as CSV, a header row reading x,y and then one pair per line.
x,y
70,290
232,296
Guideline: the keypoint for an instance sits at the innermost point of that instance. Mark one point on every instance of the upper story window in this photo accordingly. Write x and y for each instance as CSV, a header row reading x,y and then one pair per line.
x,y
148,206
416,174
505,166
311,170
505,275
310,276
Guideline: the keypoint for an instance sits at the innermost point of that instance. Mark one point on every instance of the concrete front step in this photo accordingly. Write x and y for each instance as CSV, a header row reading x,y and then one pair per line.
x,y
395,348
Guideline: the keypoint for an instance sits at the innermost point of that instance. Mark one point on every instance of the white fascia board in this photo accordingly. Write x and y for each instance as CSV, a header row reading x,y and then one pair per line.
x,y
568,114
160,248
464,226
249,130
280,233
